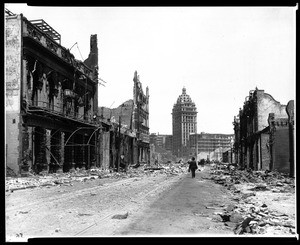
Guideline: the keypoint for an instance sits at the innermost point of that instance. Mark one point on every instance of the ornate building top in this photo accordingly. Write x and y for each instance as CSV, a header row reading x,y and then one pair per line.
x,y
184,98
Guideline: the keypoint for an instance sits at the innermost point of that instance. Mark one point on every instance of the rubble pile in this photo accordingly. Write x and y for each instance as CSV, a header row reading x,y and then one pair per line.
x,y
263,180
82,175
249,215
255,219
173,168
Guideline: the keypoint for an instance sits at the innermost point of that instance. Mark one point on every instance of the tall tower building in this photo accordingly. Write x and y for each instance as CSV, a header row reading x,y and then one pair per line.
x,y
184,117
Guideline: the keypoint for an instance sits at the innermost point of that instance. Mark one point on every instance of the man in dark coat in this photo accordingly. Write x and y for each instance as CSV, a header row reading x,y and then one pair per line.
x,y
193,166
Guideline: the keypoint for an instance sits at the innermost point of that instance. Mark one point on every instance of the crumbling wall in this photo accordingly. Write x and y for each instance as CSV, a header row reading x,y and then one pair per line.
x,y
12,91
265,105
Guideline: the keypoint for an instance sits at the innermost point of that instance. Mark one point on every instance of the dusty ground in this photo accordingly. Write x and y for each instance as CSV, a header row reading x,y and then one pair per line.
x,y
151,204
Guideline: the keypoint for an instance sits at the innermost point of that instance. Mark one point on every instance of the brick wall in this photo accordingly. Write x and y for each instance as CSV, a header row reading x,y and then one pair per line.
x,y
265,105
265,154
281,150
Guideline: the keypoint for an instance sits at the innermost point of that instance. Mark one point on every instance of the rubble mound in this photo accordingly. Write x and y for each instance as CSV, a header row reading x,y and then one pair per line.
x,y
255,216
14,183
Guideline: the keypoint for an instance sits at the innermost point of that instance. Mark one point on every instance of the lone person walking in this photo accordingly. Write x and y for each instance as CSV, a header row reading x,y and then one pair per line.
x,y
193,166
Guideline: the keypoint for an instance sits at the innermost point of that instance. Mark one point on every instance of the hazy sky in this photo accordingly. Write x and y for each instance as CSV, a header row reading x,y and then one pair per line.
x,y
218,54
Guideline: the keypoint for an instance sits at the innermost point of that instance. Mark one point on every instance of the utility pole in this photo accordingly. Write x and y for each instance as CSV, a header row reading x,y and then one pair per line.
x,y
119,143
196,140
196,146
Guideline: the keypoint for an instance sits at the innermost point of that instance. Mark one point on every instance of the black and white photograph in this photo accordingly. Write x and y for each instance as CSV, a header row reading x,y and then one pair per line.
x,y
149,121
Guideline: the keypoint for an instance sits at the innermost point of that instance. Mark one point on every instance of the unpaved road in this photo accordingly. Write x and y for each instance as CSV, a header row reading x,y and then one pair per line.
x,y
156,205
186,208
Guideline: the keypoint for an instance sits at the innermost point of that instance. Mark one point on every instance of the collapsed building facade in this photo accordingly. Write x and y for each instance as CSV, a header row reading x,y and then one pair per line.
x,y
263,131
52,115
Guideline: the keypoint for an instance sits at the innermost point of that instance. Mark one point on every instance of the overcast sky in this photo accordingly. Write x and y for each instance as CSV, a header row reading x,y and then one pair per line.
x,y
217,54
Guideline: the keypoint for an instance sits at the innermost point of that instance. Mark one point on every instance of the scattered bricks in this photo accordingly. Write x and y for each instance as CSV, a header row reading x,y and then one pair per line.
x,y
246,195
262,214
261,187
225,217
261,223
236,217
230,208
263,209
277,214
120,216
258,218
288,223
243,226
58,182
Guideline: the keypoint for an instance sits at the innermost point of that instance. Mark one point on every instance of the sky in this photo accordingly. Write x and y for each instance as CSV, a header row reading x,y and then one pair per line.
x,y
218,54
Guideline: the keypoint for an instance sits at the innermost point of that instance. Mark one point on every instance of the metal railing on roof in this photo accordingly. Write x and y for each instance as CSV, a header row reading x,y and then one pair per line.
x,y
8,12
47,29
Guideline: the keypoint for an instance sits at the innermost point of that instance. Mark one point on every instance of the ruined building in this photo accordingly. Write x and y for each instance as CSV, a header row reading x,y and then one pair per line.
x,y
51,100
263,134
140,119
129,128
184,123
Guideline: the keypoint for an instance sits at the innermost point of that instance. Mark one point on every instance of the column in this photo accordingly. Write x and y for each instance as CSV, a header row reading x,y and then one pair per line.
x,y
24,165
40,150
48,148
62,152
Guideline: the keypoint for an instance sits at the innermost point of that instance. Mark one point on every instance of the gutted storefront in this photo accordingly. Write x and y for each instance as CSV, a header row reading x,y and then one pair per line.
x,y
51,101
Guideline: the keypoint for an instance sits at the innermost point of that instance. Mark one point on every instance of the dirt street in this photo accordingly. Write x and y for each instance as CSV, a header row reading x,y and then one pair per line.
x,y
153,204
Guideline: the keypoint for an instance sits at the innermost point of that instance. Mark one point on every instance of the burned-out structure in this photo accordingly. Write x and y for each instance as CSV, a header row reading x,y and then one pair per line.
x,y
121,140
51,100
140,119
129,142
262,138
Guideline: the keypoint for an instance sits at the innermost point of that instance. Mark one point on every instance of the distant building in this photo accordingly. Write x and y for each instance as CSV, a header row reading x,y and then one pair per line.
x,y
169,142
184,123
210,146
152,138
161,140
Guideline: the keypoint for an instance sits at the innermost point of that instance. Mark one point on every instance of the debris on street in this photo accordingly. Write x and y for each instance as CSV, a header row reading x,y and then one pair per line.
x,y
250,214
83,175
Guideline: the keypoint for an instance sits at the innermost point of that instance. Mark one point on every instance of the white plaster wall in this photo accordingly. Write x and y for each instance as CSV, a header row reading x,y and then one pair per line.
x,y
12,90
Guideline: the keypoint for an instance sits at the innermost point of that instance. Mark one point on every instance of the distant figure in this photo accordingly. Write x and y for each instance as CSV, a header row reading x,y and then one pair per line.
x,y
193,166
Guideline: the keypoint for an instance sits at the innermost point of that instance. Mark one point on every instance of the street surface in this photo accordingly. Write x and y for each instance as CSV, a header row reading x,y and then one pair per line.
x,y
153,204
